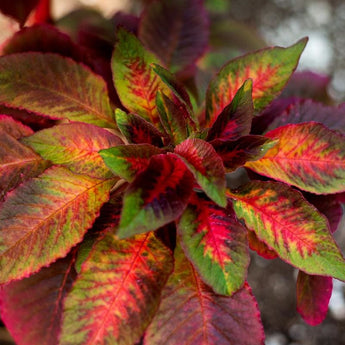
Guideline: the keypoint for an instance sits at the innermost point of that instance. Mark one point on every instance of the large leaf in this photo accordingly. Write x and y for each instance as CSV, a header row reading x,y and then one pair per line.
x,y
43,218
127,161
135,81
215,243
137,130
117,291
269,69
288,224
308,156
54,86
157,196
31,308
75,146
17,162
19,9
235,153
235,120
206,166
176,31
313,295
191,313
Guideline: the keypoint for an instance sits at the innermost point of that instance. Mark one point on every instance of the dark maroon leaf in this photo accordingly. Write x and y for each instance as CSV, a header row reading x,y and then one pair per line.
x,y
18,9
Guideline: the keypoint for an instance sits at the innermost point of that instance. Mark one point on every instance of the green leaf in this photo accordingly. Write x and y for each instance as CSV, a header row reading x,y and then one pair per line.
x,y
135,81
191,313
288,224
206,166
269,69
76,146
43,218
157,196
309,156
215,243
117,291
55,87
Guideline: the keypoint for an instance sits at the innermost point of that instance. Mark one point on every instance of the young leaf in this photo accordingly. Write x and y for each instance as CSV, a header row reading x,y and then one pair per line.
x,y
14,128
313,295
157,196
191,313
127,161
55,87
137,130
18,163
135,81
43,218
76,146
215,243
206,166
117,292
269,69
178,39
236,119
46,291
235,154
308,156
288,224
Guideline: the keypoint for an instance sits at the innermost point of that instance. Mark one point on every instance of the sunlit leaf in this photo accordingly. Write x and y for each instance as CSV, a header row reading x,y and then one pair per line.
x,y
117,291
191,313
269,69
75,146
206,166
176,31
137,130
31,308
43,218
308,156
135,81
55,87
127,161
236,119
215,243
157,196
288,224
313,295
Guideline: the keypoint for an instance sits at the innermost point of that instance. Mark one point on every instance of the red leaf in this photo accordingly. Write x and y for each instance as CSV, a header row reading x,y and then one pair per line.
x,y
236,119
191,313
178,39
157,196
14,128
260,247
41,14
31,308
313,295
206,166
117,291
215,243
19,9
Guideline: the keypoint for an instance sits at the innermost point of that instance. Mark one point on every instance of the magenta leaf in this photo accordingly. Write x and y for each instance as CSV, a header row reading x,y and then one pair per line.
x,y
46,290
313,295
157,196
206,166
215,243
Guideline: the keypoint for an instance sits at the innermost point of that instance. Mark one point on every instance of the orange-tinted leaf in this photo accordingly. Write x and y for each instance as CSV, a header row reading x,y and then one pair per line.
x,y
117,291
236,119
269,69
260,247
55,87
309,156
31,308
157,196
176,31
76,146
191,313
43,218
207,167
215,243
288,224
135,81
313,295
